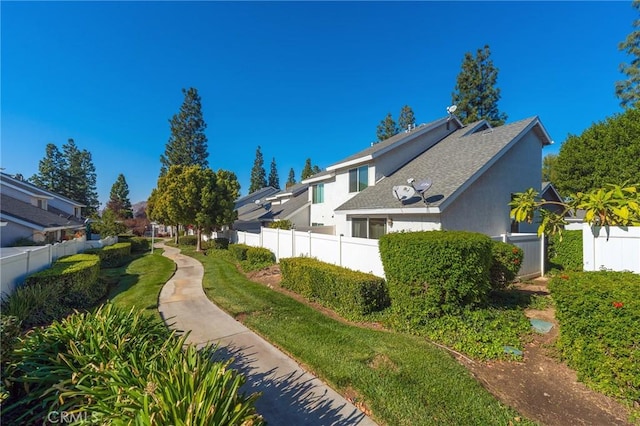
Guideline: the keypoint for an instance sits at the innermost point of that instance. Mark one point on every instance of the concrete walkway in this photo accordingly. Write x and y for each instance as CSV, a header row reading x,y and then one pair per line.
x,y
290,395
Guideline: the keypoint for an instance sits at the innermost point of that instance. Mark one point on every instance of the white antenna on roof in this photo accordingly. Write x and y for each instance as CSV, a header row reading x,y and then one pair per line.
x,y
451,109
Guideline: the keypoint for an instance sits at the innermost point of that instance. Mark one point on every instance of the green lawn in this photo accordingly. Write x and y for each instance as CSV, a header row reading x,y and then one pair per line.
x,y
402,379
138,283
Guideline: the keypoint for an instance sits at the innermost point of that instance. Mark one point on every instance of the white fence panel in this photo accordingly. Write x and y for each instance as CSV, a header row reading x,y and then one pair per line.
x,y
619,251
362,254
16,267
302,244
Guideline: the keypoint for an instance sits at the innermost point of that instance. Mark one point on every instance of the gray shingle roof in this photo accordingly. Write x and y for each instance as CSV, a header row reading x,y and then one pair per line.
x,y
28,186
255,195
283,211
449,164
36,216
383,144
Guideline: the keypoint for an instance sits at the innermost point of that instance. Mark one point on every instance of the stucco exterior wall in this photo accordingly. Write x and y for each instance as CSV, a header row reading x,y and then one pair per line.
x,y
483,207
14,193
12,231
414,223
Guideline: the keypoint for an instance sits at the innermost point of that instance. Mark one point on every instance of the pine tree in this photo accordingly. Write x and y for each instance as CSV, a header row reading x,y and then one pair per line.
x,y
50,170
291,180
628,91
119,201
476,94
307,171
187,144
274,181
258,174
386,128
406,119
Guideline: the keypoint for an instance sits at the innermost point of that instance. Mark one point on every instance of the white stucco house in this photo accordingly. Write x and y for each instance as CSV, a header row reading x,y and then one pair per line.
x,y
35,214
474,170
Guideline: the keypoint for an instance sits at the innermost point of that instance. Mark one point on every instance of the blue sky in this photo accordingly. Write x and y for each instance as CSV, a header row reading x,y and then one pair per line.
x,y
300,79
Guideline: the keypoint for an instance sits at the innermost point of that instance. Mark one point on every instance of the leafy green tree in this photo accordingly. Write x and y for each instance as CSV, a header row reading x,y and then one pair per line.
x,y
407,118
608,151
229,190
549,173
274,181
187,144
119,201
291,180
386,128
109,225
475,93
628,91
50,170
258,174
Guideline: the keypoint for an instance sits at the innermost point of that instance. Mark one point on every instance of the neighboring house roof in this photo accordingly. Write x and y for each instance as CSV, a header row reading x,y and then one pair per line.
x,y
31,189
268,211
286,210
15,210
452,164
255,195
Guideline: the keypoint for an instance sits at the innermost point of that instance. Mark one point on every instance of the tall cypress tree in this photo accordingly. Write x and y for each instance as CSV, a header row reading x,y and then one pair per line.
x,y
258,174
628,91
274,180
119,201
291,179
187,144
386,128
475,93
50,170
406,119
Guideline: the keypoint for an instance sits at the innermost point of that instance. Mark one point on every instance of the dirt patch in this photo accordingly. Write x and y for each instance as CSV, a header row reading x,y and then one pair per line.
x,y
540,387
356,399
382,362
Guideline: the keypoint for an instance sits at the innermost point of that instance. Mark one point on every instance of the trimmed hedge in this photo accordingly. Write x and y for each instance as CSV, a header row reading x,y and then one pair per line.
x,y
139,244
506,261
258,258
188,240
566,254
219,243
239,251
434,273
346,291
599,317
70,283
112,256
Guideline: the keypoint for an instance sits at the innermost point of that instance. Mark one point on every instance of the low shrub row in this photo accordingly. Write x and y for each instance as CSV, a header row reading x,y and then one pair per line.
x,y
566,253
435,272
113,256
506,260
257,258
347,292
599,317
117,367
70,283
188,240
239,251
138,244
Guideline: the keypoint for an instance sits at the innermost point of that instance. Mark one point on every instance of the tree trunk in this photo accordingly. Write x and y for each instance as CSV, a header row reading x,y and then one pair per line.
x,y
198,239
177,233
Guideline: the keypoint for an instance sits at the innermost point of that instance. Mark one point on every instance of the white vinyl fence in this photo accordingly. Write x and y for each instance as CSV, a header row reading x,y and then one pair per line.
x,y
617,251
17,263
362,254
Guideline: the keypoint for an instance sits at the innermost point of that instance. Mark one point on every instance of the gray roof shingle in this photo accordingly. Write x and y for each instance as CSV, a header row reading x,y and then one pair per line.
x,y
37,216
449,164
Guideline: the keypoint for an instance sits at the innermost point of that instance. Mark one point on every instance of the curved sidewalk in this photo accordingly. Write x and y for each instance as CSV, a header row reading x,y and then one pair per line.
x,y
290,395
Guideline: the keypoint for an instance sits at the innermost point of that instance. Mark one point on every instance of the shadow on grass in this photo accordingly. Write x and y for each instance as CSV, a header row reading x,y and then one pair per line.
x,y
288,396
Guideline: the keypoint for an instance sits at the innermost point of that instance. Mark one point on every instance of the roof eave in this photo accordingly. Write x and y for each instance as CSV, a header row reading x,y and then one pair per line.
x,y
319,178
396,210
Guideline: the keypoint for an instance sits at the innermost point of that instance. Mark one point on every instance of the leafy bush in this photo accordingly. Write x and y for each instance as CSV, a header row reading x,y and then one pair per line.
x,y
9,330
506,261
258,258
239,251
36,304
119,367
599,313
219,243
112,256
566,253
346,291
140,244
188,240
435,272
281,224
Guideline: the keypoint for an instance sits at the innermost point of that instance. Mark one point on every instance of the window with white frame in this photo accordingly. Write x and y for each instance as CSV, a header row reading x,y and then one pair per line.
x,y
318,193
358,179
372,228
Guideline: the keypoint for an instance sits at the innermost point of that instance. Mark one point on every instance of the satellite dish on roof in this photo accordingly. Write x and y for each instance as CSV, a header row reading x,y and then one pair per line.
x,y
423,186
403,192
258,202
451,109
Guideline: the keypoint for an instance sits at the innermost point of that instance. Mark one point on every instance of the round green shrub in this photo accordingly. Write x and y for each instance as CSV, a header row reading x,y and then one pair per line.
x,y
188,240
506,261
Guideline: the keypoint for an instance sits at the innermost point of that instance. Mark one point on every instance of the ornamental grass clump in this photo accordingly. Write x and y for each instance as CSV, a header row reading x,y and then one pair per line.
x,y
117,367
